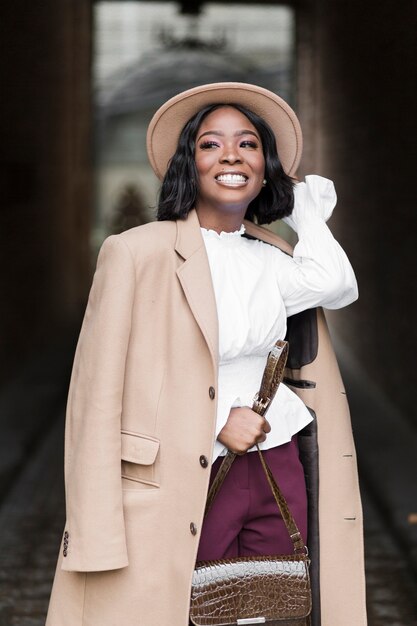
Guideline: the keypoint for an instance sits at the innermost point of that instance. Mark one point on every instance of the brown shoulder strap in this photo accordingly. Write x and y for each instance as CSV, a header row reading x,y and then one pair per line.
x,y
273,375
289,521
219,479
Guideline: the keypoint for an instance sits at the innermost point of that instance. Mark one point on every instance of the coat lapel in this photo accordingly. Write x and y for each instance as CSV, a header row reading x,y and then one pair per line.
x,y
195,278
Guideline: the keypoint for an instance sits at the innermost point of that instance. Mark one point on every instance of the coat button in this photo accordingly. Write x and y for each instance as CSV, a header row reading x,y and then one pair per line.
x,y
203,461
212,393
193,528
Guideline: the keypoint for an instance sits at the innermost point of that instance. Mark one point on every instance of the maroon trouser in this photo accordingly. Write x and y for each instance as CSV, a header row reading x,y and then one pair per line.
x,y
244,519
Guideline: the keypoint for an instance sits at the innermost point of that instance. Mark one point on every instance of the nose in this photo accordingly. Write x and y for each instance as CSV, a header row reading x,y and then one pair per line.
x,y
230,155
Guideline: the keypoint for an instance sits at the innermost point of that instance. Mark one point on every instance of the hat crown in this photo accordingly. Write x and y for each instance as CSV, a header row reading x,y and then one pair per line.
x,y
166,125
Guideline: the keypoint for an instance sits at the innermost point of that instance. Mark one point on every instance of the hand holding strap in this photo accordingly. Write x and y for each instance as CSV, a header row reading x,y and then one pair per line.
x,y
273,375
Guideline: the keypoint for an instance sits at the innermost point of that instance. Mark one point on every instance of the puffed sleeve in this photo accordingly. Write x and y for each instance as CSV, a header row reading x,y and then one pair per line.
x,y
319,273
94,537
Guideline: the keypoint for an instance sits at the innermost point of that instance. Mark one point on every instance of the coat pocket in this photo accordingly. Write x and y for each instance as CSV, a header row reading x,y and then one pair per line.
x,y
139,460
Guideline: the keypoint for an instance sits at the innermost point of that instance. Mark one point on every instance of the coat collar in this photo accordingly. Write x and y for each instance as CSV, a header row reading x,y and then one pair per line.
x,y
268,236
189,238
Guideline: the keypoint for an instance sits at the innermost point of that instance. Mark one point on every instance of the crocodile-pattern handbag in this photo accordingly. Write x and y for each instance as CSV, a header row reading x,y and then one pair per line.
x,y
271,590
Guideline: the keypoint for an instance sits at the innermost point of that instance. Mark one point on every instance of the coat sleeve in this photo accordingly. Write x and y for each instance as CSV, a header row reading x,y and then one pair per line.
x,y
94,537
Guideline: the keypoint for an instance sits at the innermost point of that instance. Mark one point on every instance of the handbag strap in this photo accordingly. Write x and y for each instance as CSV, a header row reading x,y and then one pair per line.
x,y
272,376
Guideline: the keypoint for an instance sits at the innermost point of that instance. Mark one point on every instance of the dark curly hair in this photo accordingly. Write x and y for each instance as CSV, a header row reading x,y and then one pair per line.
x,y
180,184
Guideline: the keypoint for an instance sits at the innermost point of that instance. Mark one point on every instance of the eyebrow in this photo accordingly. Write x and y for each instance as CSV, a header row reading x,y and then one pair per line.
x,y
238,133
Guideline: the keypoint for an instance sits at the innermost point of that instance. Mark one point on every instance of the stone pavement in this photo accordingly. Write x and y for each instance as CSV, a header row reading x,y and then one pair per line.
x,y
31,523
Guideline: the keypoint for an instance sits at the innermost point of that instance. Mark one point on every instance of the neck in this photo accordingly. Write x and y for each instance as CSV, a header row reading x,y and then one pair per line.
x,y
226,223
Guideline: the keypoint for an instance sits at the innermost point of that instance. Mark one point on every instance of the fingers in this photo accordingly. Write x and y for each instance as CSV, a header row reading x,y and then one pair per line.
x,y
266,426
243,429
260,430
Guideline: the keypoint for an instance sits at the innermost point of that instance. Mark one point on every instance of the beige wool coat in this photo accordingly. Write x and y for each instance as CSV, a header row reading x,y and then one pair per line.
x,y
140,424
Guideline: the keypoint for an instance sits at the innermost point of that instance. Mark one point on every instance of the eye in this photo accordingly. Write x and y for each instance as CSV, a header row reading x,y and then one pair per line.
x,y
247,143
206,145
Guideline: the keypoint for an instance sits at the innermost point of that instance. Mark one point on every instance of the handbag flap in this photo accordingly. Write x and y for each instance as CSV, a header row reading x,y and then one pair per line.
x,y
139,448
250,590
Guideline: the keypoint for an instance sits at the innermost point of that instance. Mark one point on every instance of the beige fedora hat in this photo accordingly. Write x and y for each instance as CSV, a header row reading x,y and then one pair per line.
x,y
169,120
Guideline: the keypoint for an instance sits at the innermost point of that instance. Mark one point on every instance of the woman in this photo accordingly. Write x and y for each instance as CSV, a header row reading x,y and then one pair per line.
x,y
180,318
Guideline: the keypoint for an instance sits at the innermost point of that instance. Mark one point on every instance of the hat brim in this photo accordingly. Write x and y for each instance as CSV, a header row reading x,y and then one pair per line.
x,y
167,123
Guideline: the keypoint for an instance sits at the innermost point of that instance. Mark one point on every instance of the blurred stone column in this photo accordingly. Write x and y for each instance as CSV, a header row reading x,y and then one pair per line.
x,y
45,174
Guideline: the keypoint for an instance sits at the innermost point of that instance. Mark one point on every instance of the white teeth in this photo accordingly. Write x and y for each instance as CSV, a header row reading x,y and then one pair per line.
x,y
231,178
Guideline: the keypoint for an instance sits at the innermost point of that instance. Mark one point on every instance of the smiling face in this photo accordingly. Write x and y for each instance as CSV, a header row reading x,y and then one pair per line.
x,y
230,165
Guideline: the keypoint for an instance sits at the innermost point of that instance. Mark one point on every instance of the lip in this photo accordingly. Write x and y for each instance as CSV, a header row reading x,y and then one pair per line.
x,y
230,183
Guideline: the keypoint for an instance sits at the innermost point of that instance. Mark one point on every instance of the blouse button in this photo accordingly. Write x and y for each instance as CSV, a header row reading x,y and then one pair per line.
x,y
212,393
193,528
203,461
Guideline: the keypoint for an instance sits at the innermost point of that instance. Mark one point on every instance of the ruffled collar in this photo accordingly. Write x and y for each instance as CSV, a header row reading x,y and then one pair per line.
x,y
225,236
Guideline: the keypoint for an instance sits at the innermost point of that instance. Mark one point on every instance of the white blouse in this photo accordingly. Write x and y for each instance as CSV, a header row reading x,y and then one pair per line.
x,y
257,286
